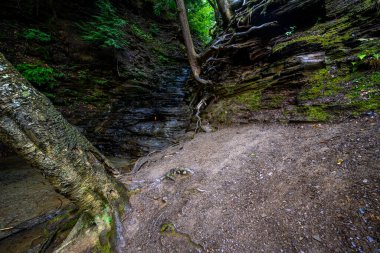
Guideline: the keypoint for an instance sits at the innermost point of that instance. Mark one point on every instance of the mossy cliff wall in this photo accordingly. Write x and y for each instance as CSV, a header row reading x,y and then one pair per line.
x,y
128,100
319,61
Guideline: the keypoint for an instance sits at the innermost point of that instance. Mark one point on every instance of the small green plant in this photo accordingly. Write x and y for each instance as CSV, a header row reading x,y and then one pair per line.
x,y
154,29
106,29
36,35
168,228
369,57
291,31
161,6
362,56
139,33
44,77
84,75
100,82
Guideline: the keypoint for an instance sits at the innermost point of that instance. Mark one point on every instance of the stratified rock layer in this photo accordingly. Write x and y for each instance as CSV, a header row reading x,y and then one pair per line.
x,y
296,61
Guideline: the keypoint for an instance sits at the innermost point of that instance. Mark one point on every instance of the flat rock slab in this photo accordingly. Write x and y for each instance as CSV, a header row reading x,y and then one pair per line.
x,y
261,188
26,200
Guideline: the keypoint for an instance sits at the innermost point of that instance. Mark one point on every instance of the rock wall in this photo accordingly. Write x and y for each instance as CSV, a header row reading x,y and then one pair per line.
x,y
129,101
296,60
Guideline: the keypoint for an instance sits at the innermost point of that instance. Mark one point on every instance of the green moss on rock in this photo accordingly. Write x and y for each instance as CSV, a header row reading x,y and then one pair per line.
x,y
251,99
316,113
323,84
328,35
364,94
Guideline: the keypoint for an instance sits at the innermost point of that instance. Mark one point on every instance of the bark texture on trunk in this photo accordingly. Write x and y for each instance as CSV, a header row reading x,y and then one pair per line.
x,y
37,132
191,53
225,11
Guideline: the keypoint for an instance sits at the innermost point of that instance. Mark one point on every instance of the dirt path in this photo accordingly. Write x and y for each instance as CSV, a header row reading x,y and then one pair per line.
x,y
262,188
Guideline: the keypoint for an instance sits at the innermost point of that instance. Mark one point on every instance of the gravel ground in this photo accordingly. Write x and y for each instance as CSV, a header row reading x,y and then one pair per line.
x,y
261,188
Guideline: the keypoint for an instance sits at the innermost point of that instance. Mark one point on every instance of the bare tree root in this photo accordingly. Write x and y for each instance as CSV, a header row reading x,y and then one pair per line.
x,y
201,80
213,59
251,32
102,233
199,108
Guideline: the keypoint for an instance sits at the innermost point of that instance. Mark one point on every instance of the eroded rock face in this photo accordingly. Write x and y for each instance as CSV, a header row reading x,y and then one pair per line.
x,y
145,119
304,61
129,101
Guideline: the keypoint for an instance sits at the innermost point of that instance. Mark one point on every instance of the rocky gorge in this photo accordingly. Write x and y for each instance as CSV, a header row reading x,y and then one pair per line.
x,y
276,151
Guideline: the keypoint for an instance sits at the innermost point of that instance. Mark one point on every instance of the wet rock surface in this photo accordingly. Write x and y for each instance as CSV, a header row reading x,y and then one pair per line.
x,y
128,102
145,119
261,188
137,117
27,203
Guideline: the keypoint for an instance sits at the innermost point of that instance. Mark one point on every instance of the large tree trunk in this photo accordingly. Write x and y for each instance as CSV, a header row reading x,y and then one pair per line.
x,y
191,53
225,11
31,126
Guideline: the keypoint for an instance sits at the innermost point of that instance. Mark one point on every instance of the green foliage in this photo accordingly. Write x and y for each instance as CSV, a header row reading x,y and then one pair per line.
x,y
200,14
201,19
36,35
38,75
100,82
139,33
161,6
367,56
106,29
362,56
291,31
154,29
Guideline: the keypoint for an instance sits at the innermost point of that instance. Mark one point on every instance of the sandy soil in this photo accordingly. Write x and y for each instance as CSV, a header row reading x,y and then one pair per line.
x,y
261,188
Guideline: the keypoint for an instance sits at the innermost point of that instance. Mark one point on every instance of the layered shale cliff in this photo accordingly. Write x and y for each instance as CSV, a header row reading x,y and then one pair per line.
x,y
129,100
295,61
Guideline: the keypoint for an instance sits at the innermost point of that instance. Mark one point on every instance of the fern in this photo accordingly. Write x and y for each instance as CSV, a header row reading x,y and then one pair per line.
x,y
106,29
36,35
38,75
161,6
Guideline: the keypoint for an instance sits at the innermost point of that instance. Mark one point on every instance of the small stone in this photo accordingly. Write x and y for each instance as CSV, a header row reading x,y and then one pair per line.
x,y
207,128
365,181
370,239
165,199
317,237
263,215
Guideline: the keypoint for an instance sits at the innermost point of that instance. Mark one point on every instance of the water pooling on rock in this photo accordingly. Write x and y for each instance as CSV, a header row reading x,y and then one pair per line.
x,y
144,119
